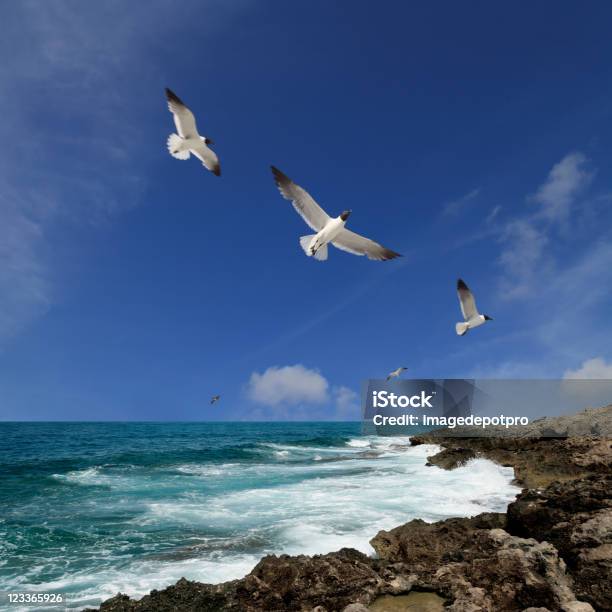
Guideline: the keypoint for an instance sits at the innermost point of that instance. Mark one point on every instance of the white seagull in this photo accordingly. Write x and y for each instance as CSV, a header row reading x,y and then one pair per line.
x,y
396,373
188,140
468,307
327,229
214,399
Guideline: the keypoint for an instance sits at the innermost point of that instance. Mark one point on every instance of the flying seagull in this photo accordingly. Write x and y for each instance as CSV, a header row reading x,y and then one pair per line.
x,y
468,307
188,140
396,373
327,229
214,399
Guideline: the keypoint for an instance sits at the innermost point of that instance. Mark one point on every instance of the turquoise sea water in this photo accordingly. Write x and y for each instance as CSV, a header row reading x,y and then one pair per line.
x,y
90,509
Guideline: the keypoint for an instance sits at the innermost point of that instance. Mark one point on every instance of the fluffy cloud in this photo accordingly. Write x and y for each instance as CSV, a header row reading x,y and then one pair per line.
x,y
288,385
591,369
347,402
526,260
565,181
280,387
523,248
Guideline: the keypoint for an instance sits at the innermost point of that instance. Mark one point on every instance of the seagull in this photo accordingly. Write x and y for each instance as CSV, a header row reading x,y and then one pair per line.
x,y
327,229
188,140
215,398
468,307
396,373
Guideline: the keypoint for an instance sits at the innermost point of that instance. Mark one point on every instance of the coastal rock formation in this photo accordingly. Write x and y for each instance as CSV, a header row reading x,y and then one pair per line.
x,y
551,551
329,582
426,546
537,458
473,565
479,566
576,518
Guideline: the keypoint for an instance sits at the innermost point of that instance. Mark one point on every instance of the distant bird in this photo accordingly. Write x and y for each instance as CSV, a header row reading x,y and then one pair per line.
x,y
214,399
188,140
396,373
327,229
468,307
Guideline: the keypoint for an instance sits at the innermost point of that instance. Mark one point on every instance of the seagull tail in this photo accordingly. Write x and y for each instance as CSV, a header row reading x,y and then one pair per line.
x,y
306,243
321,254
461,328
175,147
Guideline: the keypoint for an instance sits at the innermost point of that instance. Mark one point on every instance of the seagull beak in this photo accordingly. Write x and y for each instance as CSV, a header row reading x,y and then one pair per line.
x,y
488,318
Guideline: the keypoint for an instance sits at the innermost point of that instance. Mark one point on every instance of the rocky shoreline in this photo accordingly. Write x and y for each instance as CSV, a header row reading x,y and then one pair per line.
x,y
551,550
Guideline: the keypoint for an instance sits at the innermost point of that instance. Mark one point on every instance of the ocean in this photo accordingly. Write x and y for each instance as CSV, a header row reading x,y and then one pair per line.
x,y
90,509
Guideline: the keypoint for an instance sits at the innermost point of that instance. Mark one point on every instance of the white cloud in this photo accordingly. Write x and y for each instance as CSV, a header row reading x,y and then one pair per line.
x,y
521,256
565,181
75,153
292,392
288,385
591,369
64,178
526,260
454,207
493,214
347,402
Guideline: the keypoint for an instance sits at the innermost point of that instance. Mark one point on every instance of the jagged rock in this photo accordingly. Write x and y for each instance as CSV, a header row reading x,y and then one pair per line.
x,y
576,517
184,595
479,566
283,583
427,545
537,460
334,581
450,458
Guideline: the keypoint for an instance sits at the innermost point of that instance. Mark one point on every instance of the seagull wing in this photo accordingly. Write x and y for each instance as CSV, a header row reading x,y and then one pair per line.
x,y
466,300
183,117
302,201
208,157
359,245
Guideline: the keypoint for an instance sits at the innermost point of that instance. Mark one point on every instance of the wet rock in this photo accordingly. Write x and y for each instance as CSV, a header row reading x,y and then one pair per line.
x,y
451,458
537,460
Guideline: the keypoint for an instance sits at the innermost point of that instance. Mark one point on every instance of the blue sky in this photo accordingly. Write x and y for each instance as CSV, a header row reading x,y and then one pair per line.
x,y
474,139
